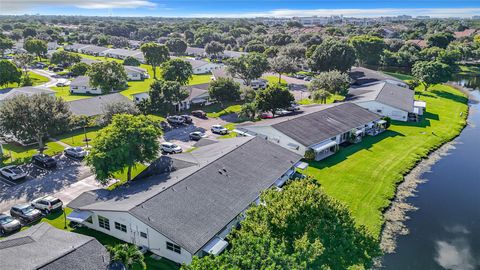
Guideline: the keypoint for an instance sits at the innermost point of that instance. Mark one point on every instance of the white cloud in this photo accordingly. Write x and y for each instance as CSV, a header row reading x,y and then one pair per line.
x,y
12,6
434,12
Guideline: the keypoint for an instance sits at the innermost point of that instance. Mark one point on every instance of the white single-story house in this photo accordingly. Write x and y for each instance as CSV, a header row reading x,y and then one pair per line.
x,y
320,128
124,53
221,72
136,73
95,105
201,66
387,98
44,247
81,85
184,205
27,90
198,95
92,50
76,47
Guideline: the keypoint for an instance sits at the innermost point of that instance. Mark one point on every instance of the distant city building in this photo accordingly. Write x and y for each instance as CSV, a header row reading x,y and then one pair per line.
x,y
423,17
476,17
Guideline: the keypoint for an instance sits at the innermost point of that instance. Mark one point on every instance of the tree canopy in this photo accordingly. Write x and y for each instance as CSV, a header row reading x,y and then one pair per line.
x,y
274,97
214,48
127,141
177,70
9,73
368,48
440,40
431,72
5,44
224,90
163,95
36,46
176,45
65,58
79,69
34,117
155,55
127,254
131,61
332,54
334,82
248,67
282,64
107,75
299,227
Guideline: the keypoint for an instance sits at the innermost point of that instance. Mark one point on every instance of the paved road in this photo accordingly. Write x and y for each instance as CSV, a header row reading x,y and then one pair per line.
x,y
42,182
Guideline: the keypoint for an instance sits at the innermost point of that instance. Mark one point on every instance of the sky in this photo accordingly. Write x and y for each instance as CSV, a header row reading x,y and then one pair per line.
x,y
243,8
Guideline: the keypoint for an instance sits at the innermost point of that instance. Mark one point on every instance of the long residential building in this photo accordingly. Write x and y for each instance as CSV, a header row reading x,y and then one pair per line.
x,y
184,205
319,128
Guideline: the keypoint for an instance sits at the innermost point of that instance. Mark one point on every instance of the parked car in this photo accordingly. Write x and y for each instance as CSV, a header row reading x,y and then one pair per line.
x,y
266,115
219,129
25,213
187,119
57,69
199,114
307,79
282,112
13,172
8,224
43,160
47,204
175,120
196,135
60,84
76,152
299,76
171,148
293,107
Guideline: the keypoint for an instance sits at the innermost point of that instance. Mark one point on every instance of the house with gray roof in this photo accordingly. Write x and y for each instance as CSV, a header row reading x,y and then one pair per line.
x,y
360,76
95,105
81,85
222,72
27,91
43,247
318,128
201,66
136,73
184,205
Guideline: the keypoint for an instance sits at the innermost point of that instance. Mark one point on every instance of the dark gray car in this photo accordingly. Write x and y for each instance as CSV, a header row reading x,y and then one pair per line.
x,y
8,224
26,213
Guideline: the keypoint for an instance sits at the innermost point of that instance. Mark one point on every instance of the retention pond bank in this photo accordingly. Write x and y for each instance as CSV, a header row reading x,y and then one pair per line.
x,y
443,231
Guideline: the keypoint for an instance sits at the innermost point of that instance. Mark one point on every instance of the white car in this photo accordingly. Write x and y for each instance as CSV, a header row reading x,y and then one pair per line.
x,y
47,204
171,148
13,172
219,129
76,152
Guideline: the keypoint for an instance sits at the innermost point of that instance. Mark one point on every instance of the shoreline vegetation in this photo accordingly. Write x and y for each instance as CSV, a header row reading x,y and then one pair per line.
x,y
378,165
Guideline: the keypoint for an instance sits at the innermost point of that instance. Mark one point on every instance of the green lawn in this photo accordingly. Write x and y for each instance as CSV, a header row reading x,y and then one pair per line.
x,y
469,69
331,99
36,80
58,221
64,93
122,175
77,137
401,76
364,176
20,154
274,79
216,110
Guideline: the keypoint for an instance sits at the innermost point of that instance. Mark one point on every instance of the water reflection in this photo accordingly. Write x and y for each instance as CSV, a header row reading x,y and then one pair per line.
x,y
455,254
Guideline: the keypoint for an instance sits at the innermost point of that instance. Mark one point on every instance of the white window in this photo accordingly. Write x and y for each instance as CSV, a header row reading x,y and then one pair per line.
x,y
174,248
103,222
120,227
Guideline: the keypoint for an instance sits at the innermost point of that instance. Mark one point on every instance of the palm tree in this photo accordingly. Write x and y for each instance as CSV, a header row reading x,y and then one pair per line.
x,y
321,95
127,254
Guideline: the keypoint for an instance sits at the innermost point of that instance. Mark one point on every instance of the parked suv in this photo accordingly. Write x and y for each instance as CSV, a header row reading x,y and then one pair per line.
x,y
48,204
187,119
43,160
175,120
218,129
8,224
13,172
199,114
196,135
76,152
25,213
171,148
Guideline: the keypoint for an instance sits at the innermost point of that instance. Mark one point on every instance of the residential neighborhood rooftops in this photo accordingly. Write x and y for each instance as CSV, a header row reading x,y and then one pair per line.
x,y
81,81
361,75
44,247
95,105
191,197
27,90
135,69
385,92
196,63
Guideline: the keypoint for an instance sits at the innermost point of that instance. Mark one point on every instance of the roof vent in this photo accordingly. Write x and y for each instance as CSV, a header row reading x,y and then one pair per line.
x,y
220,172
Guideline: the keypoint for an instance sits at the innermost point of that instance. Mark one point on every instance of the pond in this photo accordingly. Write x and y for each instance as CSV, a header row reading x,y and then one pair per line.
x,y
445,230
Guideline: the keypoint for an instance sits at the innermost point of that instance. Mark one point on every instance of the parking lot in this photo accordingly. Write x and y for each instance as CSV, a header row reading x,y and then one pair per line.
x,y
40,182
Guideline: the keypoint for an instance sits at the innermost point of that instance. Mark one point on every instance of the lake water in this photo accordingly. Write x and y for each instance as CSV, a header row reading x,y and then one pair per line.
x,y
445,230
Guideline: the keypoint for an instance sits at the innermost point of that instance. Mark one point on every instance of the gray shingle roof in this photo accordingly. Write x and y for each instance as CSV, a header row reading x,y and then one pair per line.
x,y
81,81
95,105
203,191
326,122
361,75
384,92
45,247
133,69
27,90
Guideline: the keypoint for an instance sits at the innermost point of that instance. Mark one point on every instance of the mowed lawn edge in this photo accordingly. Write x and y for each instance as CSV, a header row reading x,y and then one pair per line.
x,y
365,176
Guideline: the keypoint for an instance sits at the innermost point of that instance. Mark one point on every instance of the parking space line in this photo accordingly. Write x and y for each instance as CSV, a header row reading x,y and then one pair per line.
x,y
7,182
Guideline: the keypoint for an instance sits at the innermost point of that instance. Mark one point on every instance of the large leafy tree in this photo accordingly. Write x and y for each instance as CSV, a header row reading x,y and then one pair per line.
x,y
334,82
332,54
248,67
79,69
9,73
224,90
131,61
431,72
36,46
23,60
282,64
34,117
65,58
176,45
127,141
107,75
214,48
114,108
320,95
177,70
127,254
441,39
299,227
368,48
5,44
273,98
164,94
155,55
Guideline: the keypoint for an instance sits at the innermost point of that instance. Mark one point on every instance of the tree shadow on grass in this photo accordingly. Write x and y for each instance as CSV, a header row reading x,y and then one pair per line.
x,y
452,96
349,150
